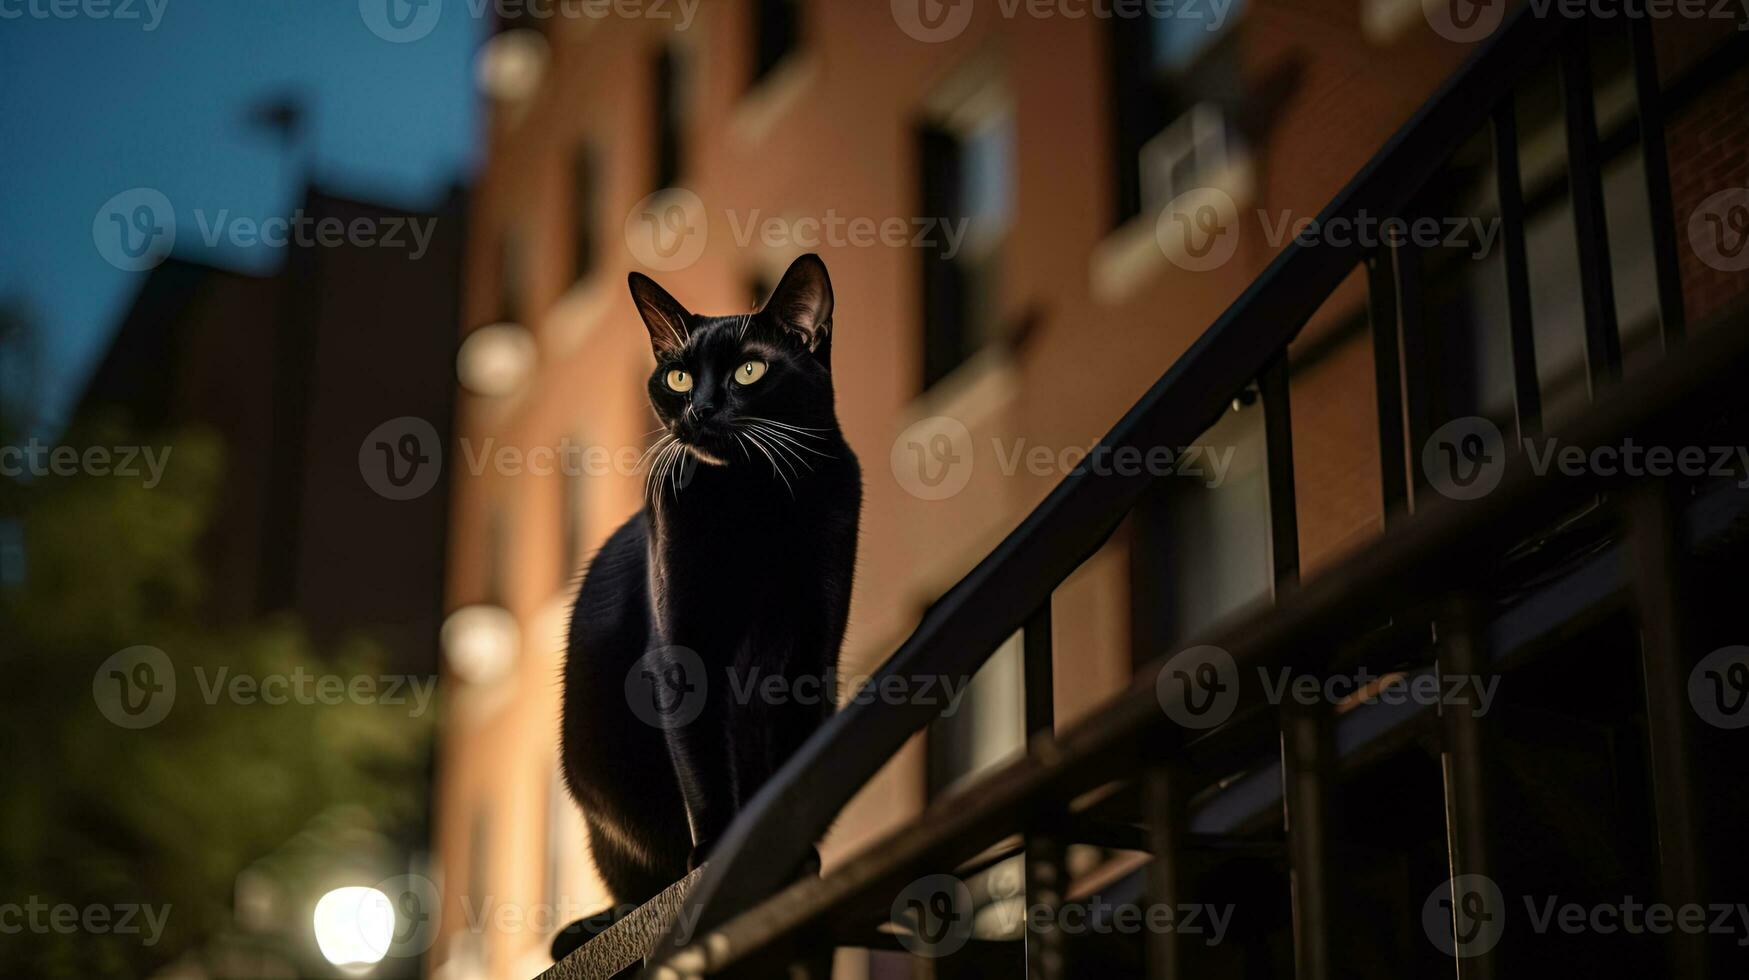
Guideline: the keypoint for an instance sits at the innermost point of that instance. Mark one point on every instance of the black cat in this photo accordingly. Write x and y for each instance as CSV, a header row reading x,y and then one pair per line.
x,y
738,569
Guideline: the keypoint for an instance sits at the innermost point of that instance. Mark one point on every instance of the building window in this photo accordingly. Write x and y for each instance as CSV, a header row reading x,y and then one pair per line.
x,y
1175,89
1216,522
585,206
987,729
669,151
966,164
776,33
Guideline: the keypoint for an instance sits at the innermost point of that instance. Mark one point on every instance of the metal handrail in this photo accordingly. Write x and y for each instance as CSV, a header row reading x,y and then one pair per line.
x,y
772,835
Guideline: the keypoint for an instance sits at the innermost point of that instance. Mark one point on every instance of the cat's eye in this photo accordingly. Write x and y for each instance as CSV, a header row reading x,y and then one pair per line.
x,y
679,380
750,372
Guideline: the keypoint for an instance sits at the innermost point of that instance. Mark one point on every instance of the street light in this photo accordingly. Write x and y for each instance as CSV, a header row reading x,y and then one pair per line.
x,y
354,927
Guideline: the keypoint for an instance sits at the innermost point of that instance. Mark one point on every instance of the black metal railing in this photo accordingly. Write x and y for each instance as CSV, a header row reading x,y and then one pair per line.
x,y
742,913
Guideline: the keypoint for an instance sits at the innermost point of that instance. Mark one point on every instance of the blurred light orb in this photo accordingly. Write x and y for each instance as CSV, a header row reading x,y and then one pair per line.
x,y
495,360
480,642
354,926
511,64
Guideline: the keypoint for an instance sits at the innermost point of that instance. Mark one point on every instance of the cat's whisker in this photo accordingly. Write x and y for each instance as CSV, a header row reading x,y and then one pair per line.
x,y
790,440
781,445
760,445
658,444
806,430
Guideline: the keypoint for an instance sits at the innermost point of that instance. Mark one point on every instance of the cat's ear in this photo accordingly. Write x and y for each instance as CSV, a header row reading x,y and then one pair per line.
x,y
663,315
802,302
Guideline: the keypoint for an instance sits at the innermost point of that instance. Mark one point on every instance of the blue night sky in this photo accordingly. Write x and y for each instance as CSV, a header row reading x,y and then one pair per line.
x,y
91,107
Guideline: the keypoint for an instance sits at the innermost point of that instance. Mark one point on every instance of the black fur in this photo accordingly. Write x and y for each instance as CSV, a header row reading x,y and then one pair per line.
x,y
743,554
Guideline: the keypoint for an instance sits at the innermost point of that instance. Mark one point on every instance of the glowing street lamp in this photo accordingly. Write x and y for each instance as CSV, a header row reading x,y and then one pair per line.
x,y
354,927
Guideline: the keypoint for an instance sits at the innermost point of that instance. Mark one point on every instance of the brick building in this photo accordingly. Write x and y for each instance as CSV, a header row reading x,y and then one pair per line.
x,y
1067,154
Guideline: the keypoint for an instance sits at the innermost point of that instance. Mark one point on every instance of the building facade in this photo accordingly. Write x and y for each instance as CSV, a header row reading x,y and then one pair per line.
x,y
1029,212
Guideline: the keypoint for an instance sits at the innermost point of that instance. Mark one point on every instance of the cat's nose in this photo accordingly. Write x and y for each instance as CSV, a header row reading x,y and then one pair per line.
x,y
703,410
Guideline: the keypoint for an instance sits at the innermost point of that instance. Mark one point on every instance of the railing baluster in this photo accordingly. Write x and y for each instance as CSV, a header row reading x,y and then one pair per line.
x,y
1163,795
1387,381
1040,683
1046,881
1278,427
1585,183
1412,336
1656,572
1468,826
1655,159
1045,874
1308,768
1527,391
